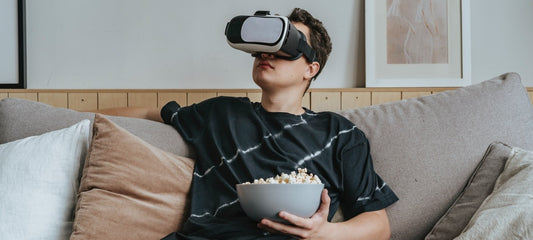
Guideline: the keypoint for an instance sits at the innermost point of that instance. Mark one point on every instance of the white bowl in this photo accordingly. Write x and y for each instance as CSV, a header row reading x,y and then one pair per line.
x,y
266,200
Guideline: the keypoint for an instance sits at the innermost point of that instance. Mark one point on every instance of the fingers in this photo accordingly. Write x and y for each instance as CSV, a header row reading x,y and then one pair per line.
x,y
301,227
323,210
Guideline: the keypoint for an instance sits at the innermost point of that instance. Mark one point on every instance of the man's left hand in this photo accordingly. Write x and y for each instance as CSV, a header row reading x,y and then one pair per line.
x,y
315,227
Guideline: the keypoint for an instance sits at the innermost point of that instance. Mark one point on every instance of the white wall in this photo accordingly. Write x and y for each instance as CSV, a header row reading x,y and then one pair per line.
x,y
502,38
8,43
106,44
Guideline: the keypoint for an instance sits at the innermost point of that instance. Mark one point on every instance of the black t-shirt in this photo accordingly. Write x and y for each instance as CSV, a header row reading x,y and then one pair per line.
x,y
237,141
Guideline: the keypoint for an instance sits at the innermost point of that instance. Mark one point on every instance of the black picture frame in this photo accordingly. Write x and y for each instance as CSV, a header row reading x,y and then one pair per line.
x,y
21,40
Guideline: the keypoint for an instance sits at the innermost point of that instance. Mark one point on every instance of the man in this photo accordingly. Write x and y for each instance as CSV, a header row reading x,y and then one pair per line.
x,y
239,141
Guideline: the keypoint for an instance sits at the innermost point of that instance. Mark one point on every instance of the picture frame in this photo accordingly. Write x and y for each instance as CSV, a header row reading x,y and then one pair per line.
x,y
417,46
13,44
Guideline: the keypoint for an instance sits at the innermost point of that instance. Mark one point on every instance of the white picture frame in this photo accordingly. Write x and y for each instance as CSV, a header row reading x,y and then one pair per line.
x,y
380,72
12,44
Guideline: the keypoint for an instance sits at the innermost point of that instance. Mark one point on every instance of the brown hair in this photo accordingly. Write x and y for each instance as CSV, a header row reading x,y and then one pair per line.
x,y
318,35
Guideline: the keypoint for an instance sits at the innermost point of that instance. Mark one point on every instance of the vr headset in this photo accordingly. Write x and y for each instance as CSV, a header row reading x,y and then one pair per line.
x,y
266,33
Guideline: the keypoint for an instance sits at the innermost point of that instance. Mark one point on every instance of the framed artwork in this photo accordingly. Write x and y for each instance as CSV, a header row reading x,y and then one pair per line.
x,y
417,43
12,44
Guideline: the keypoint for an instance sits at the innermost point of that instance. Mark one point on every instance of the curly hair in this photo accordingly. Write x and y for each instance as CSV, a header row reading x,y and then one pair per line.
x,y
318,35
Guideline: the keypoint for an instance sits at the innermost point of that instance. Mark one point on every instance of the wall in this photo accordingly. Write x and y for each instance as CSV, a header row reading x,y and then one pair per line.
x,y
136,44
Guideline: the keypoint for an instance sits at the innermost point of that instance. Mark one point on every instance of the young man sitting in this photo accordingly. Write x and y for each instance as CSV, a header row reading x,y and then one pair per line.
x,y
238,141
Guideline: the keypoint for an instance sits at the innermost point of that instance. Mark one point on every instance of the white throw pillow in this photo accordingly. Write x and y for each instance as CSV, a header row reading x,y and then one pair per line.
x,y
39,183
507,212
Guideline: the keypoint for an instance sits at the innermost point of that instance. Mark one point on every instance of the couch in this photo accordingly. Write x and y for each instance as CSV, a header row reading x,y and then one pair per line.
x,y
449,156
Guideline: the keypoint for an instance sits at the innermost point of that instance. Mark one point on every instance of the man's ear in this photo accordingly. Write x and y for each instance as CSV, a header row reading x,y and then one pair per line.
x,y
312,70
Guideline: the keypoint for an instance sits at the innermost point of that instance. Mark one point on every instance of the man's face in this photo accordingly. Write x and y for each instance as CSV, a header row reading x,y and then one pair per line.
x,y
270,72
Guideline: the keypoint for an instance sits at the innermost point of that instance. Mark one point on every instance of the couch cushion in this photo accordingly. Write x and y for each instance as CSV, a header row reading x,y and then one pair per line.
x,y
478,188
129,188
426,148
38,183
21,118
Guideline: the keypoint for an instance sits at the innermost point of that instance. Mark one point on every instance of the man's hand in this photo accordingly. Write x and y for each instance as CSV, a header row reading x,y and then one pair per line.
x,y
368,225
315,227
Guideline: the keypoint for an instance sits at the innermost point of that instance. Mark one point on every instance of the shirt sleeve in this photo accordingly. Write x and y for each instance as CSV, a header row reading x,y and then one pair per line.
x,y
364,190
190,121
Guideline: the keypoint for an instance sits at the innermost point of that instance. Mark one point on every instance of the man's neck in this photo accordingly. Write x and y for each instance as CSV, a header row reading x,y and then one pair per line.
x,y
279,102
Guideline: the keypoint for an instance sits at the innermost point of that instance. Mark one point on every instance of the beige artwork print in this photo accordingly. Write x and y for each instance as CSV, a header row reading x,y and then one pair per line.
x,y
417,32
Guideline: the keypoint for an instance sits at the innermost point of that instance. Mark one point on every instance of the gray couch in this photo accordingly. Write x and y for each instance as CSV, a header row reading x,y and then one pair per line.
x,y
428,149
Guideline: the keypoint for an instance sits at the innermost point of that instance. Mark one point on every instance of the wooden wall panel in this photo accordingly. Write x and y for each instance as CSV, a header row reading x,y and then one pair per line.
x,y
383,97
142,99
232,94
254,96
314,99
24,95
112,100
58,99
83,101
197,97
407,95
350,100
306,100
325,101
165,97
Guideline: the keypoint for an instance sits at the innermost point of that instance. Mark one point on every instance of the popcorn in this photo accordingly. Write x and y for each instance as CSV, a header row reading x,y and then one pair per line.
x,y
301,178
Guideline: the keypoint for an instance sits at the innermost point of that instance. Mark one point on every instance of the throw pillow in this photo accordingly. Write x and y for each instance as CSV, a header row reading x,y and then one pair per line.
x,y
507,211
477,189
39,181
129,189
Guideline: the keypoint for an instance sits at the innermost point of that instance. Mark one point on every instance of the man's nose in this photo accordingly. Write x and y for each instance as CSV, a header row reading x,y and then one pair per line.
x,y
267,55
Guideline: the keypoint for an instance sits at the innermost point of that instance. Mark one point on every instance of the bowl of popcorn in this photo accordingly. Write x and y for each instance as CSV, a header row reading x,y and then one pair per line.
x,y
296,193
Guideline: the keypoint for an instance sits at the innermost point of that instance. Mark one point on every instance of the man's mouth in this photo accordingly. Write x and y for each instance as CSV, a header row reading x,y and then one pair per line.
x,y
265,64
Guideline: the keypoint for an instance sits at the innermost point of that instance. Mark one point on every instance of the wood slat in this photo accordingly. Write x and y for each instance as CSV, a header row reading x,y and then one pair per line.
x,y
254,96
325,101
531,96
83,101
407,95
112,100
232,94
306,100
165,97
350,100
142,99
59,99
196,97
3,95
383,97
24,95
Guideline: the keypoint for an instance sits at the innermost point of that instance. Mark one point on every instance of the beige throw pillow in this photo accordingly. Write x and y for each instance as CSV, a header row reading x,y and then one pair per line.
x,y
130,189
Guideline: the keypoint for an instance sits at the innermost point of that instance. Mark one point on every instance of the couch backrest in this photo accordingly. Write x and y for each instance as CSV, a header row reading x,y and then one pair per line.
x,y
426,148
21,118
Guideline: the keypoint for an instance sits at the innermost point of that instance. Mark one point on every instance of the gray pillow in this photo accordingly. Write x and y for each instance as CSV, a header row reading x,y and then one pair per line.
x,y
478,188
426,148
21,118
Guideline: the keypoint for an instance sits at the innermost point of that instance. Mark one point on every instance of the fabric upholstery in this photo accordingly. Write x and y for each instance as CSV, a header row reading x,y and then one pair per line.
x,y
129,189
20,118
478,188
39,182
426,148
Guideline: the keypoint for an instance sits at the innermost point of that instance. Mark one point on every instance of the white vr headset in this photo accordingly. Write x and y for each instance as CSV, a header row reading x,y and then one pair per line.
x,y
265,33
